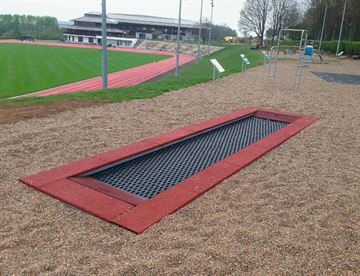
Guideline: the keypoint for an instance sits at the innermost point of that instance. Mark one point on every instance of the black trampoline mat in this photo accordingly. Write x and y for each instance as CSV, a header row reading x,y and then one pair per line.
x,y
152,172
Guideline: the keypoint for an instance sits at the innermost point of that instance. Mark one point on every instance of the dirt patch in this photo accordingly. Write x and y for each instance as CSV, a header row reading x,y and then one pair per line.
x,y
295,211
10,114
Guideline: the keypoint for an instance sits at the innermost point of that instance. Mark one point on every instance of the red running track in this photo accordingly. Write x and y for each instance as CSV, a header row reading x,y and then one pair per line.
x,y
122,78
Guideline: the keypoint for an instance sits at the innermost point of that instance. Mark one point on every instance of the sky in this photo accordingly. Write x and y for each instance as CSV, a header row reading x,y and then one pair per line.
x,y
225,11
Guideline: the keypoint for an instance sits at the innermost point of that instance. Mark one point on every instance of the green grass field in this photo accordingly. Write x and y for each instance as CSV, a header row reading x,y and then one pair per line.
x,y
190,74
30,68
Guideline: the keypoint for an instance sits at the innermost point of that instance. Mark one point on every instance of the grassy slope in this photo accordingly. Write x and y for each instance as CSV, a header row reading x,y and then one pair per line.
x,y
189,75
29,68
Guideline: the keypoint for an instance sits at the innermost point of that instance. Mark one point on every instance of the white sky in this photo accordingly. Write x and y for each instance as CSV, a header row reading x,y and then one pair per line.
x,y
225,11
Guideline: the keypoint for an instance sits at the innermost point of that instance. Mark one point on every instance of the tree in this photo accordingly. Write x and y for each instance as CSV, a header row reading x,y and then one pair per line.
x,y
254,17
269,33
218,31
284,14
314,14
15,26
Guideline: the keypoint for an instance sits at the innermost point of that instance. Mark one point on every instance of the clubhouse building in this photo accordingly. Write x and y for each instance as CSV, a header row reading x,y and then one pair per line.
x,y
124,30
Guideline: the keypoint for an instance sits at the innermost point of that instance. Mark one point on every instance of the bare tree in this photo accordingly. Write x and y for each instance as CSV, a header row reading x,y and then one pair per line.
x,y
254,17
284,14
293,15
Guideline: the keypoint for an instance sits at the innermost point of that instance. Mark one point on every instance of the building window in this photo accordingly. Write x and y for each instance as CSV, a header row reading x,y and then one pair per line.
x,y
91,40
80,39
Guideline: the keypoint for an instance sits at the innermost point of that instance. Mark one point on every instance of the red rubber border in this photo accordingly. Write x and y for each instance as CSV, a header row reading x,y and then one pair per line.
x,y
135,213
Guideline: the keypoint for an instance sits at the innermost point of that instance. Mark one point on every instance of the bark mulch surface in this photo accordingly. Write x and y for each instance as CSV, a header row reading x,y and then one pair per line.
x,y
294,211
10,113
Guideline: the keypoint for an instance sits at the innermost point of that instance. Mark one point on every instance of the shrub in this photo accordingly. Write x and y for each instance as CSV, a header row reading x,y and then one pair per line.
x,y
349,47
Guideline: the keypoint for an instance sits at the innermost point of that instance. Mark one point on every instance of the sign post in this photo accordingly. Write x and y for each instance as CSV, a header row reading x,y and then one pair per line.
x,y
266,57
217,68
245,62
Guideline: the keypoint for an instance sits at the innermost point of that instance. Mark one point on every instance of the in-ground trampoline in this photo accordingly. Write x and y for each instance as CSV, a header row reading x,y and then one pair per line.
x,y
339,78
137,185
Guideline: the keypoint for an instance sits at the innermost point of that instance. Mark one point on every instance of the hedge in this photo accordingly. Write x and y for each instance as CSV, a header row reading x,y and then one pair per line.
x,y
349,47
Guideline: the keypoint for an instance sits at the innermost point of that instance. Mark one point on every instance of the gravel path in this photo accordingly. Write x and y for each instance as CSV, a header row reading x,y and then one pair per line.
x,y
294,211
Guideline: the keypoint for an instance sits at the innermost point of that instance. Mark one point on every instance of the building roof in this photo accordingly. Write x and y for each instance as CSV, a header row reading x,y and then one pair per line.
x,y
111,30
115,18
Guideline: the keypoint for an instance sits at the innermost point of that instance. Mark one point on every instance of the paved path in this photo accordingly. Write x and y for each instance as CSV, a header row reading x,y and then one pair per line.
x,y
122,78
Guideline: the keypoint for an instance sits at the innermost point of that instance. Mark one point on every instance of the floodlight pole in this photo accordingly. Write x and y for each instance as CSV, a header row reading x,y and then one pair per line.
x,y
178,42
200,24
341,27
211,19
104,44
323,27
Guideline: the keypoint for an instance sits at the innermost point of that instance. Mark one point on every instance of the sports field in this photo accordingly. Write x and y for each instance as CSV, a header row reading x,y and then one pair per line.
x,y
29,68
191,74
